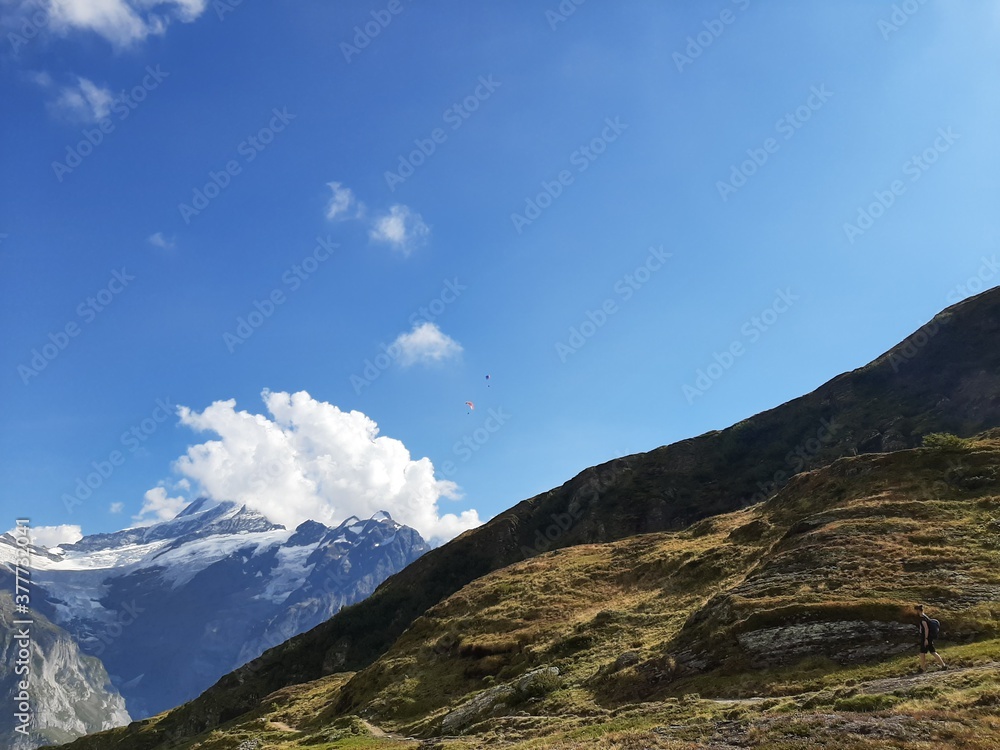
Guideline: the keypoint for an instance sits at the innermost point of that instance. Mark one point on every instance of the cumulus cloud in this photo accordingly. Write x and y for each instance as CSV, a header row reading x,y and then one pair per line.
x,y
47,537
401,228
158,240
121,22
84,101
425,344
307,459
343,204
158,506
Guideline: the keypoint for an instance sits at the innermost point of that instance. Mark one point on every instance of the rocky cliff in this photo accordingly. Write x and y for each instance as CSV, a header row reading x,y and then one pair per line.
x,y
67,693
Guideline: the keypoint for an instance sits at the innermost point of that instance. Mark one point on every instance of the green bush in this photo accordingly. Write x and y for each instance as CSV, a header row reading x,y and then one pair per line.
x,y
544,684
538,686
866,703
943,440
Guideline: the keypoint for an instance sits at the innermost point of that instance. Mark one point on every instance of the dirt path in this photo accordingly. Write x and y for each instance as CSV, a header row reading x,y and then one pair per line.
x,y
376,732
886,685
933,674
831,729
282,726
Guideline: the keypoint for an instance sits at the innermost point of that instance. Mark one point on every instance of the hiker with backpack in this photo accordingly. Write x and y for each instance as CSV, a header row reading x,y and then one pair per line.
x,y
929,629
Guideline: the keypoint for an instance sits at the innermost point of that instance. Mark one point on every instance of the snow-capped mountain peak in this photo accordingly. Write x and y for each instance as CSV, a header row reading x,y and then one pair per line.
x,y
212,587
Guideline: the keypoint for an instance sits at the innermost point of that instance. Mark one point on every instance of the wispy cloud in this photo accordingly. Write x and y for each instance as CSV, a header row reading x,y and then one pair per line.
x,y
158,240
425,344
116,507
121,22
39,78
343,204
400,228
84,101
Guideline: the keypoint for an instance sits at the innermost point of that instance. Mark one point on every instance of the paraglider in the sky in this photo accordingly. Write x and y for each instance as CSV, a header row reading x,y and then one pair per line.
x,y
487,381
472,406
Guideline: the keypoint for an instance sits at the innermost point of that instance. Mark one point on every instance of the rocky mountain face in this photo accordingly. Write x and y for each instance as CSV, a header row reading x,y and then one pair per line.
x,y
67,693
943,378
171,607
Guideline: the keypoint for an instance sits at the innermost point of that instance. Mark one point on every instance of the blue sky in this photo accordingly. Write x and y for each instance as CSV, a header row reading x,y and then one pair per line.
x,y
589,206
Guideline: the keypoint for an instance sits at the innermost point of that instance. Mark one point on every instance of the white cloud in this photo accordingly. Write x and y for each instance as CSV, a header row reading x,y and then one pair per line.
x,y
343,204
157,506
158,240
85,101
401,228
310,460
47,537
121,22
116,507
425,344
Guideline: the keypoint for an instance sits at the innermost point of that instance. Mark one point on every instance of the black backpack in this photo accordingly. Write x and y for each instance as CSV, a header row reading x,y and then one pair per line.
x,y
933,628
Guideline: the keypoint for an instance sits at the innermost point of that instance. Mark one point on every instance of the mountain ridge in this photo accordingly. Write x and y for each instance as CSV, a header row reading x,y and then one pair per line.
x,y
943,378
169,608
787,621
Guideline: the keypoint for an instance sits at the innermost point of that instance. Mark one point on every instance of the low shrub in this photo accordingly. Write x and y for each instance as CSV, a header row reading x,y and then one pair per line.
x,y
866,703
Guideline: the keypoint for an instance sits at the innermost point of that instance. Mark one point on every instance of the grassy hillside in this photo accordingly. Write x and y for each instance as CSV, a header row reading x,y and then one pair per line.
x,y
786,624
946,377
